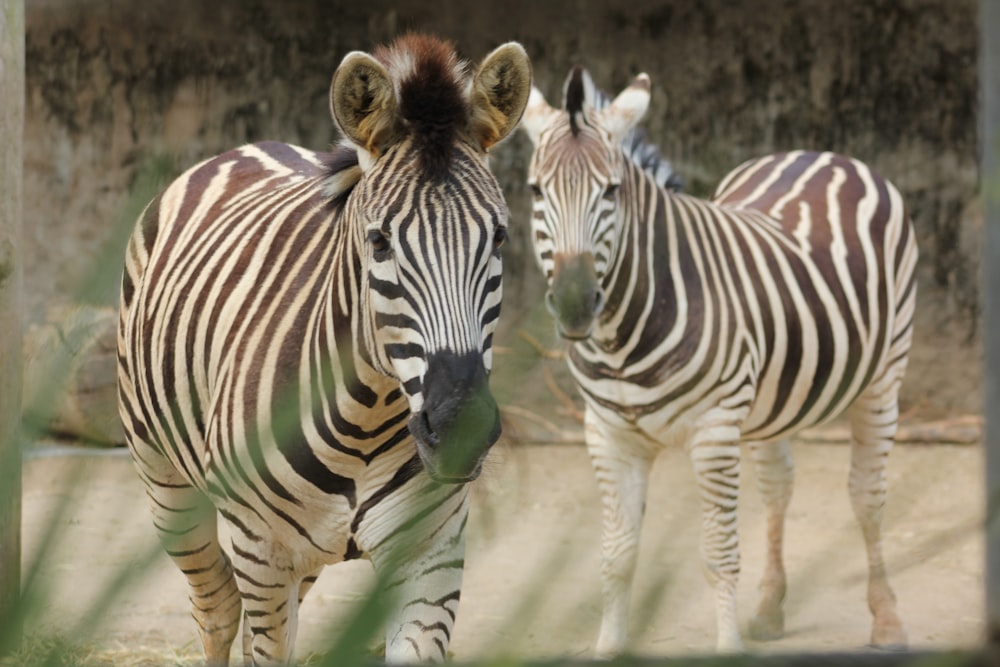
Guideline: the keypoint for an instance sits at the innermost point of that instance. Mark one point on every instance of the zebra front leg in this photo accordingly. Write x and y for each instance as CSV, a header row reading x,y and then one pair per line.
x,y
873,419
717,471
307,583
775,476
304,587
621,462
420,565
270,594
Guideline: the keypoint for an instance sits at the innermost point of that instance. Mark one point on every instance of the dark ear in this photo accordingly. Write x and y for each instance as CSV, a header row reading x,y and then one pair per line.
x,y
363,102
499,94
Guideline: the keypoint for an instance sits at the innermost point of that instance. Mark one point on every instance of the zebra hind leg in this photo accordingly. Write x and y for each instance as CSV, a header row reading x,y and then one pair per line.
x,y
873,419
187,525
775,477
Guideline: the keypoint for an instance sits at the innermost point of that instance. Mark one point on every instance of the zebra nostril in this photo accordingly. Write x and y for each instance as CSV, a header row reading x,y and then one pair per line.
x,y
598,301
550,303
429,433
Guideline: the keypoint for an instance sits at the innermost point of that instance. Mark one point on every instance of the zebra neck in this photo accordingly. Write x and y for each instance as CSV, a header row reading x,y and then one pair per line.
x,y
345,326
648,289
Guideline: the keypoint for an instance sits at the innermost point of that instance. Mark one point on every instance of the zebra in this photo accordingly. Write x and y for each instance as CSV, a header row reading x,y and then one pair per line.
x,y
304,350
783,301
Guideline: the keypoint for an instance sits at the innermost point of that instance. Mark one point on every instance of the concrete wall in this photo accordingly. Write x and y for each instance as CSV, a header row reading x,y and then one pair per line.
x,y
116,86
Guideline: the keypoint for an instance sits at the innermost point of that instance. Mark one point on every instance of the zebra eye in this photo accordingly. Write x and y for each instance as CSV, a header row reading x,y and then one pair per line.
x,y
536,191
611,191
499,237
379,243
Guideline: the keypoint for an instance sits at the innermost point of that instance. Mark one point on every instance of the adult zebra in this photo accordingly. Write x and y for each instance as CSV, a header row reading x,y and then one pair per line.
x,y
785,301
304,347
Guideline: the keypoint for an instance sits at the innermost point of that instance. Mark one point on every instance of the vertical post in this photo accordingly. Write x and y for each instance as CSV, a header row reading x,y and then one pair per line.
x,y
11,169
989,80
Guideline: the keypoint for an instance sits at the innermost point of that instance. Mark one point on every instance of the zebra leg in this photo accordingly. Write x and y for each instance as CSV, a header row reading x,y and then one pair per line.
x,y
621,462
715,455
873,419
775,475
307,584
421,564
187,525
304,587
270,595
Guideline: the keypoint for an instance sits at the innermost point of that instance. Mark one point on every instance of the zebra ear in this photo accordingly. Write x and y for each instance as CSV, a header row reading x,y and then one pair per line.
x,y
537,115
499,93
363,102
625,112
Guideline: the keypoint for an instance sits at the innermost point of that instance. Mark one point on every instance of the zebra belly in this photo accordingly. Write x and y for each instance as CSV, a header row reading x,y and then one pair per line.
x,y
763,406
817,383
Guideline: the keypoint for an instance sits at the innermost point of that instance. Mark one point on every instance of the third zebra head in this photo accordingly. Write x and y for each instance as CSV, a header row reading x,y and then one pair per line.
x,y
430,222
575,175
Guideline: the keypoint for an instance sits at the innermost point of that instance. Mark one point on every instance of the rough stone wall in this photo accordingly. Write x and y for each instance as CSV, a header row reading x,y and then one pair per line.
x,y
115,85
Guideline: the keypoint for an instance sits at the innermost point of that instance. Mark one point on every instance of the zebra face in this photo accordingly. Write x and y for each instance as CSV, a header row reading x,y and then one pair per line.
x,y
575,230
433,265
575,175
429,220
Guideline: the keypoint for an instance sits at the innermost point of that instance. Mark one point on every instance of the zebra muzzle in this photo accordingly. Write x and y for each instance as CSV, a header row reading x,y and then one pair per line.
x,y
459,420
575,297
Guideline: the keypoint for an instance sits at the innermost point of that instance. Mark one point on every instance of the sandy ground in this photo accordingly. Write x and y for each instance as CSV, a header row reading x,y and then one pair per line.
x,y
532,586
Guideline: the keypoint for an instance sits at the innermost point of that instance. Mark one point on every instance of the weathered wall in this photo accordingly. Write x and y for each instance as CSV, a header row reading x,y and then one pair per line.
x,y
113,84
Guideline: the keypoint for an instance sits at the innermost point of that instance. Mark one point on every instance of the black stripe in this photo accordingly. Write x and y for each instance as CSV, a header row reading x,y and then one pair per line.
x,y
404,474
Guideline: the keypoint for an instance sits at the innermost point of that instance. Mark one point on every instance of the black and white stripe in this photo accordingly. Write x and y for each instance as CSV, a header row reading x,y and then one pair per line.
x,y
637,147
786,300
304,349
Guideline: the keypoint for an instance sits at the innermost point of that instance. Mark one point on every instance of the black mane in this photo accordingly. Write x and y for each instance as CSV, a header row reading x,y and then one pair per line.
x,y
431,95
575,97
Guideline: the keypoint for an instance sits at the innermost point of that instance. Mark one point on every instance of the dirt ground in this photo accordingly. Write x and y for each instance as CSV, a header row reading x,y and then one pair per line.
x,y
532,586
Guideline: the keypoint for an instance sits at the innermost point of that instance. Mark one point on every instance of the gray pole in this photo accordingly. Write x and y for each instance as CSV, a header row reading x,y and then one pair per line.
x,y
989,77
11,169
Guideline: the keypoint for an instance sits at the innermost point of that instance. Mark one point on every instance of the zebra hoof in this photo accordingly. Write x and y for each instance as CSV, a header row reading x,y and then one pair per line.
x,y
767,626
889,637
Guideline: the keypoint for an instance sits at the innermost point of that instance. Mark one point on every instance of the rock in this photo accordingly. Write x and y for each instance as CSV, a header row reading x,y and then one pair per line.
x,y
70,375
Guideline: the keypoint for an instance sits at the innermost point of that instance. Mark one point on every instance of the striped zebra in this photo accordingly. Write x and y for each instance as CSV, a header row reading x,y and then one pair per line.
x,y
786,300
304,349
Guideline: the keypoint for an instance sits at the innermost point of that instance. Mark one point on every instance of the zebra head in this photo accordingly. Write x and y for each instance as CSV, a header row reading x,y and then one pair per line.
x,y
575,175
429,220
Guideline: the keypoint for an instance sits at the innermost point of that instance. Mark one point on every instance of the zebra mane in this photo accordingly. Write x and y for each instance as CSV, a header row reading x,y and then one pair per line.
x,y
579,90
574,95
430,82
342,172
